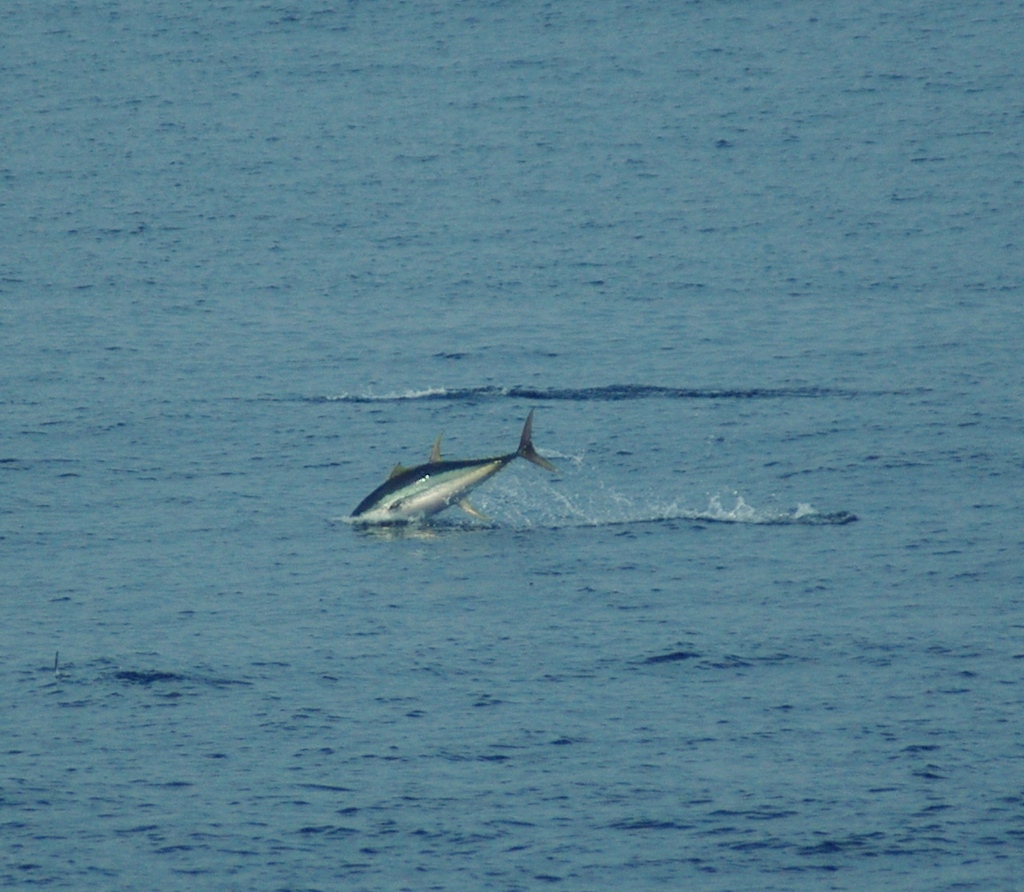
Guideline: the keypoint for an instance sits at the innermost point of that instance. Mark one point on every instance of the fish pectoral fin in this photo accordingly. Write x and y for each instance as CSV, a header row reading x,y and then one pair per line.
x,y
469,509
396,470
435,452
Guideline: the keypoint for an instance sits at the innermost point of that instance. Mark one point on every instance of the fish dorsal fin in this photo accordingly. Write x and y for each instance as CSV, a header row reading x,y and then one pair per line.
x,y
396,470
435,452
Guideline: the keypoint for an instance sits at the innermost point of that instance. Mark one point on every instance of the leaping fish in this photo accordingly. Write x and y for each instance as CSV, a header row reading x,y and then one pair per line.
x,y
411,494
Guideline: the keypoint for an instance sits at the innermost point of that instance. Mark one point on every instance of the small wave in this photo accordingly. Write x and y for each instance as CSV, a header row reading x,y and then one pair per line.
x,y
611,392
429,393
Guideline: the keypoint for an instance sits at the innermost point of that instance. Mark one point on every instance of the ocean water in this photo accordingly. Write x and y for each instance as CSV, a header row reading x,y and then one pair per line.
x,y
758,270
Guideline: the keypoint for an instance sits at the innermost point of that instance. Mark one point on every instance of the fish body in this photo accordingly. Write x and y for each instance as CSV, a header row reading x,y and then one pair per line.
x,y
412,494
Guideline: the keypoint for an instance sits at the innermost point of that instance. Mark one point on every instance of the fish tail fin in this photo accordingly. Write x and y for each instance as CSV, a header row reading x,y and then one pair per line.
x,y
526,449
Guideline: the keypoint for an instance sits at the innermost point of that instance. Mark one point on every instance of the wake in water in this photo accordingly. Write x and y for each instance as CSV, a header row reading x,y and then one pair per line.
x,y
611,509
511,508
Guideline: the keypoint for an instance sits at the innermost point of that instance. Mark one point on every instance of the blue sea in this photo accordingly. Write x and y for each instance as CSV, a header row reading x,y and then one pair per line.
x,y
758,269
